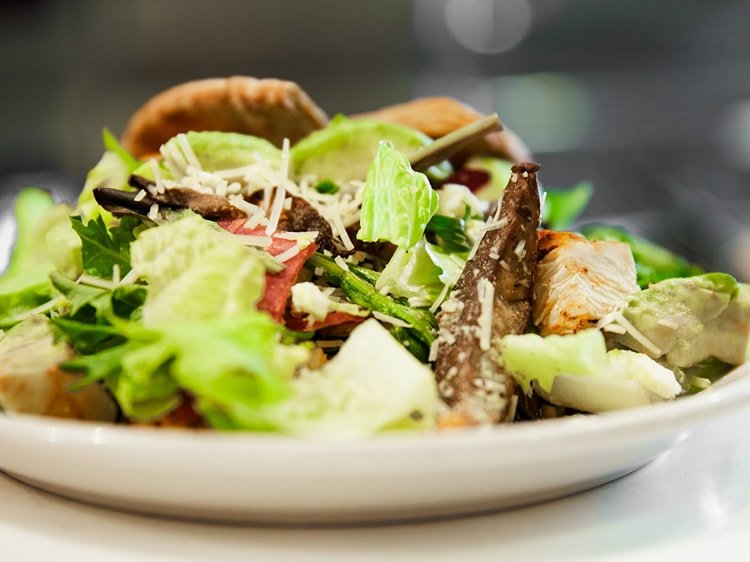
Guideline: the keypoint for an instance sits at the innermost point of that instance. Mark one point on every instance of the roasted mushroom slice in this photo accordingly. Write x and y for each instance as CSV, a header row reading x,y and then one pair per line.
x,y
267,108
492,299
118,202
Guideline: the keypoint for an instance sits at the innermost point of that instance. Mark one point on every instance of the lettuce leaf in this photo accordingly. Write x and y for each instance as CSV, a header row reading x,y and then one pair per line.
x,y
230,362
420,272
29,264
397,201
576,371
196,271
345,149
372,384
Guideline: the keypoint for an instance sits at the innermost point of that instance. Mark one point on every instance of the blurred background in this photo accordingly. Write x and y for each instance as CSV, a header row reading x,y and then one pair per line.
x,y
650,101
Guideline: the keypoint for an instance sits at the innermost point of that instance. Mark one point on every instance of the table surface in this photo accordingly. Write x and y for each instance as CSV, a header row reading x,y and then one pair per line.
x,y
691,502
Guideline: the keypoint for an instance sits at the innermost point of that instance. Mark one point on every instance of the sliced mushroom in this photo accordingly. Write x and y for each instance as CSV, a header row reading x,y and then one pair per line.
x,y
119,202
492,299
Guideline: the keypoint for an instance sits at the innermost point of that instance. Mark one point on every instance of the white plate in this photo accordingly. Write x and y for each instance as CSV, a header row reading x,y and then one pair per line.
x,y
269,479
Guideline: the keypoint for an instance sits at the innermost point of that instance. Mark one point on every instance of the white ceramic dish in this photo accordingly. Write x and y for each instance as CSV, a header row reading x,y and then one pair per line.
x,y
269,479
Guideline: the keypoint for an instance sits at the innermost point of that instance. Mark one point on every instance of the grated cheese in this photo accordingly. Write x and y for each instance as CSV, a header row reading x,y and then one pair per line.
x,y
440,298
390,319
187,150
252,240
116,274
130,278
153,212
91,281
157,175
286,255
139,196
485,295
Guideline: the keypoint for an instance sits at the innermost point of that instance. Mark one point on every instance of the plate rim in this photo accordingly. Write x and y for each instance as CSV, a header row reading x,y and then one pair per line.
x,y
729,395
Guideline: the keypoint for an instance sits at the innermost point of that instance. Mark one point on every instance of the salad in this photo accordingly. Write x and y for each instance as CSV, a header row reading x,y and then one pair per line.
x,y
258,267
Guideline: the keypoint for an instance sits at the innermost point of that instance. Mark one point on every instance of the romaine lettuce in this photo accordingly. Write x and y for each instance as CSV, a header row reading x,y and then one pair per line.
x,y
397,201
196,271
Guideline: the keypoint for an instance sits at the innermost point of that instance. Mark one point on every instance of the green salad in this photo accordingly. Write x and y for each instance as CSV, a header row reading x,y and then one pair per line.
x,y
328,289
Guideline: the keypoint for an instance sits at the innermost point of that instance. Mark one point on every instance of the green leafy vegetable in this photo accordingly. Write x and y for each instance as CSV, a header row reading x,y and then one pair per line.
x,y
29,264
420,272
345,149
196,271
530,357
576,371
365,295
111,145
563,207
653,263
111,171
326,186
17,305
218,150
688,320
397,202
449,233
103,248
225,363
372,384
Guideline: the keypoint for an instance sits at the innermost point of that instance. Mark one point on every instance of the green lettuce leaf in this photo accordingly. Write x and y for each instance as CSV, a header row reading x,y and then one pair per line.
x,y
372,384
196,271
110,171
420,272
345,149
29,264
218,150
111,145
576,371
691,319
225,363
17,305
397,201
532,358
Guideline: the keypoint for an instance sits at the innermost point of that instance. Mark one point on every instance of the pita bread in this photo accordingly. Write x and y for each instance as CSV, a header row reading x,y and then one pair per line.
x,y
268,108
438,116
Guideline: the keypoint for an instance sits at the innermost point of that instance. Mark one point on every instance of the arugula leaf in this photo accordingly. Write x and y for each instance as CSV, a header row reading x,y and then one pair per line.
x,y
448,233
104,248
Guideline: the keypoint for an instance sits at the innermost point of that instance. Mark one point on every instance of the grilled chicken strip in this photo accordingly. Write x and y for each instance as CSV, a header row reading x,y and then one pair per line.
x,y
492,298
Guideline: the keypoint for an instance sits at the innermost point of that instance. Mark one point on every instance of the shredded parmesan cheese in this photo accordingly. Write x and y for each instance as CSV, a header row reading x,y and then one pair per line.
x,y
390,319
286,255
140,195
485,295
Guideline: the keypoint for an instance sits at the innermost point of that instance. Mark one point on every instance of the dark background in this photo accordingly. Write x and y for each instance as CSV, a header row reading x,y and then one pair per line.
x,y
648,100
